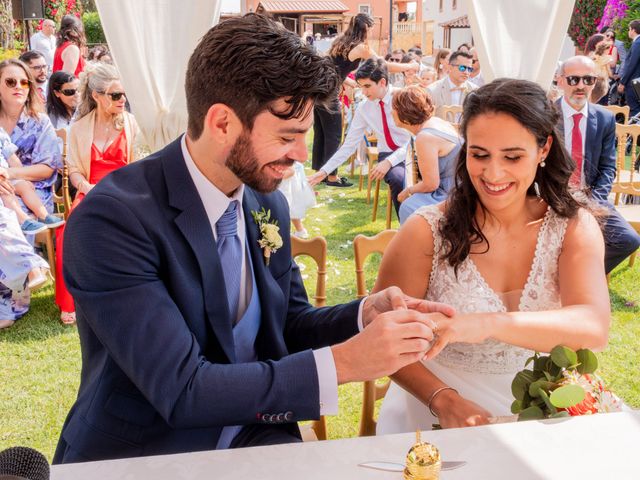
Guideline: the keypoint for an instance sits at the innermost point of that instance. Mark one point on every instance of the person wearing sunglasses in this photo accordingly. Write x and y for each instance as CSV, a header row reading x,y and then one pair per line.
x,y
589,133
22,117
101,140
453,89
63,99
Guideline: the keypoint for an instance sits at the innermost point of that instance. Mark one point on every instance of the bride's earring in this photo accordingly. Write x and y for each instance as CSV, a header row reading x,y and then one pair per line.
x,y
542,162
537,189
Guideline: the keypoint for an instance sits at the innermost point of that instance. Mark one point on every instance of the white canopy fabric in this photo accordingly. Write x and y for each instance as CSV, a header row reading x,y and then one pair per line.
x,y
519,38
150,42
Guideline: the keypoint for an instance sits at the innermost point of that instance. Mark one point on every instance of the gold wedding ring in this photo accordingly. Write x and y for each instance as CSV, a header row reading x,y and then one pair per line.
x,y
435,328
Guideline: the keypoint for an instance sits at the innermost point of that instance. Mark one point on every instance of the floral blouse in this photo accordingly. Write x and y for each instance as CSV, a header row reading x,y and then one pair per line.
x,y
38,144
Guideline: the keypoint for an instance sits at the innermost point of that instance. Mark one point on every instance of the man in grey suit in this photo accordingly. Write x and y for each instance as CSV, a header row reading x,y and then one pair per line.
x,y
453,88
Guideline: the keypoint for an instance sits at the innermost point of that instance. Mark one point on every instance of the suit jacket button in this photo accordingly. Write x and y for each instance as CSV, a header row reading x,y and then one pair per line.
x,y
280,418
266,418
288,416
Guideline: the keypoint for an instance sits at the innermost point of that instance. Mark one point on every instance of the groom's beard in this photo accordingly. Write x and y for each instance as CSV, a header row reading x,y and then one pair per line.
x,y
242,161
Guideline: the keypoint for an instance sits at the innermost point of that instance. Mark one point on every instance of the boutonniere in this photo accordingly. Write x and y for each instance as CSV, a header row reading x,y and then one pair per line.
x,y
270,239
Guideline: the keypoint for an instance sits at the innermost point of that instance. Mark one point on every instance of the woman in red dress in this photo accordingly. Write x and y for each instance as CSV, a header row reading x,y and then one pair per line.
x,y
71,45
100,141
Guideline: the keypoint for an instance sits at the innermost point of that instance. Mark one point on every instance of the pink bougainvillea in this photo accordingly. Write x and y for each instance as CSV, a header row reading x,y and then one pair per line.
x,y
613,11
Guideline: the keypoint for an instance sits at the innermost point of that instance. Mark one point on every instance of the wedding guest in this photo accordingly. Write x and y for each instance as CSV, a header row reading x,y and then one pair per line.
x,y
441,63
631,69
44,41
17,261
436,146
464,47
71,44
374,115
517,255
476,76
63,99
453,89
22,117
101,140
589,133
428,76
100,54
39,69
347,51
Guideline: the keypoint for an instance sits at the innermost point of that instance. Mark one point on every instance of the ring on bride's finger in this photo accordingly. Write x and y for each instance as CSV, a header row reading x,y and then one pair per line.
x,y
435,328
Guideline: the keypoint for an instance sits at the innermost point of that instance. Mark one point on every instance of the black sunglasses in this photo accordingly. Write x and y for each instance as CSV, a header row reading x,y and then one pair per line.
x,y
13,82
115,96
395,60
588,80
69,92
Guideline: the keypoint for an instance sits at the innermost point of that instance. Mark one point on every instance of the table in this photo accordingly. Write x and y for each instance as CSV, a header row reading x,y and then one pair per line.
x,y
604,446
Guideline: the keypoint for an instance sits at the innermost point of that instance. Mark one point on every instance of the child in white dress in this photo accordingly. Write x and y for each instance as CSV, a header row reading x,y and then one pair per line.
x,y
299,195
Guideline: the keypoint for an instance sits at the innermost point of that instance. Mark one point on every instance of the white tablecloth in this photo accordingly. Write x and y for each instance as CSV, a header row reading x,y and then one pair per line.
x,y
605,446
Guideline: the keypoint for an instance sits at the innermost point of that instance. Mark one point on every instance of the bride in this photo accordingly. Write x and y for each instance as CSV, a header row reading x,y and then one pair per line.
x,y
519,257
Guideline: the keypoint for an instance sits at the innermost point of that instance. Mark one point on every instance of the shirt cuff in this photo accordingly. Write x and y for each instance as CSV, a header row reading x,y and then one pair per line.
x,y
360,321
327,381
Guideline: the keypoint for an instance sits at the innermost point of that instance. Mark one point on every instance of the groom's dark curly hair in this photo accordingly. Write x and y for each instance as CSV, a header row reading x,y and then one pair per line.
x,y
249,62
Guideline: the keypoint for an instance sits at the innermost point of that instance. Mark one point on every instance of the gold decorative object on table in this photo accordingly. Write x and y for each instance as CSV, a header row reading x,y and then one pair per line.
x,y
423,461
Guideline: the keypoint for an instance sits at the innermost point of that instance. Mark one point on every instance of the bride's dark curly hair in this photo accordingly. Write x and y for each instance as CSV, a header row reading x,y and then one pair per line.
x,y
527,103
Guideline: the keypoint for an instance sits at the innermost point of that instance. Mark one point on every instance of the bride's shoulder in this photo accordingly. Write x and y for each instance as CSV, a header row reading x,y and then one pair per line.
x,y
431,213
583,229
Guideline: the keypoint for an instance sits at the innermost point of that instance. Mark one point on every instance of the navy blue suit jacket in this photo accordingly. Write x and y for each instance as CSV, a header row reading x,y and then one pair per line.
x,y
157,348
599,162
631,65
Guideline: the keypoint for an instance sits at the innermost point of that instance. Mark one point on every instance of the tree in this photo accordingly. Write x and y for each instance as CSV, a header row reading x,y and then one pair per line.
x,y
6,25
585,19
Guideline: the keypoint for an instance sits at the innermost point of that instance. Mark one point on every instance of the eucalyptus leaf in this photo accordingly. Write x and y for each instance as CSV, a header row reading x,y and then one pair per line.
x,y
547,401
520,383
529,360
538,385
563,357
531,413
588,361
567,396
540,364
516,407
560,414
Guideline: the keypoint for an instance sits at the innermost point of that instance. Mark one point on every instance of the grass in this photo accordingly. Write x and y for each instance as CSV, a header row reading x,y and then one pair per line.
x,y
40,359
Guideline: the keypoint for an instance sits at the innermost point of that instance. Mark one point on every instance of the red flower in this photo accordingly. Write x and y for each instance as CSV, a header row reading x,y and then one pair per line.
x,y
586,407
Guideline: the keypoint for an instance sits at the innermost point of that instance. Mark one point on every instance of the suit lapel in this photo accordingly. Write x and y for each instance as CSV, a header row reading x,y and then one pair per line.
x,y
193,223
272,301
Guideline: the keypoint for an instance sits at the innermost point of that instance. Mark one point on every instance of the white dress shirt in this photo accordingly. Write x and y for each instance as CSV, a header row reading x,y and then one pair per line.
x,y
456,92
215,204
368,117
45,45
567,115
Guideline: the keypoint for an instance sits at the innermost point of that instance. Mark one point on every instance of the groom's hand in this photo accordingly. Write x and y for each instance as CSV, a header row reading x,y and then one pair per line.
x,y
392,298
391,341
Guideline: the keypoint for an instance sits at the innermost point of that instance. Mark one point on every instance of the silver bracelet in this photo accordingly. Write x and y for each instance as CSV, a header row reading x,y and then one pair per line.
x,y
433,396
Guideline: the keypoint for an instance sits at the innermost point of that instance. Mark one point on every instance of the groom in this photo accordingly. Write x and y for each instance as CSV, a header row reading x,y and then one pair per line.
x,y
195,328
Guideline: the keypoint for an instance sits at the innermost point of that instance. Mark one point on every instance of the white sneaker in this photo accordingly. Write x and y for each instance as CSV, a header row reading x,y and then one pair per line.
x,y
301,233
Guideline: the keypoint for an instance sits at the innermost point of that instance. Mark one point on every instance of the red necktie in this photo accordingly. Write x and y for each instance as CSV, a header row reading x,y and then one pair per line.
x,y
385,126
41,94
576,151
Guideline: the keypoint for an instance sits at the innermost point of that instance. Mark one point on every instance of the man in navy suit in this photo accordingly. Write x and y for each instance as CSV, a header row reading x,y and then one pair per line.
x,y
194,323
631,69
589,134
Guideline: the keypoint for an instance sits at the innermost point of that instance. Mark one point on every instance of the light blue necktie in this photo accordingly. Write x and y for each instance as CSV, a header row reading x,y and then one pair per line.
x,y
230,251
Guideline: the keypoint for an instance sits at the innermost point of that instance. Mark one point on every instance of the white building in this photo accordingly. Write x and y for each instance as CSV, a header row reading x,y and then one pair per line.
x,y
452,12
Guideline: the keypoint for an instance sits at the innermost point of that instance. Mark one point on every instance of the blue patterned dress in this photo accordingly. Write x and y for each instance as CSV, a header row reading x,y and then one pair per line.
x,y
17,259
38,145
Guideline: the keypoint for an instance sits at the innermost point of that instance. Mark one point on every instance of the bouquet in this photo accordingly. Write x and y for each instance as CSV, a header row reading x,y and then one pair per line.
x,y
561,384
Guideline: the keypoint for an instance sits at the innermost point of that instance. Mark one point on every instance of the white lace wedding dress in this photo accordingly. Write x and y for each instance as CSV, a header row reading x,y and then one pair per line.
x,y
481,372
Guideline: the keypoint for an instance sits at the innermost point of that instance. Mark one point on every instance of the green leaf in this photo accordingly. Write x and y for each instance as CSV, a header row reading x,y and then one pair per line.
x,y
540,364
567,396
529,360
588,361
563,357
531,413
547,401
561,414
541,384
516,406
548,376
520,383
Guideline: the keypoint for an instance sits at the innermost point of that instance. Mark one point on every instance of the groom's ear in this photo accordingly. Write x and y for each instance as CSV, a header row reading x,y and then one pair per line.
x,y
222,125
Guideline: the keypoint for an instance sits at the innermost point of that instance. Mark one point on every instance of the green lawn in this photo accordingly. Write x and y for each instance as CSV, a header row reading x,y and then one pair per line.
x,y
40,359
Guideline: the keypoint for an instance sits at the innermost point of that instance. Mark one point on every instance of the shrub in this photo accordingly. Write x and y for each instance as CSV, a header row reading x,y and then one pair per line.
x,y
585,19
93,28
7,54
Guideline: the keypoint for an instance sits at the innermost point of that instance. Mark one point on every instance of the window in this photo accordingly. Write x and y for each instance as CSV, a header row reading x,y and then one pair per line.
x,y
365,8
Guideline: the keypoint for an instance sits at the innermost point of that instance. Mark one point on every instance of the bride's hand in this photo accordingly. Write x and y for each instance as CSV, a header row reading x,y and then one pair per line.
x,y
467,328
455,411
